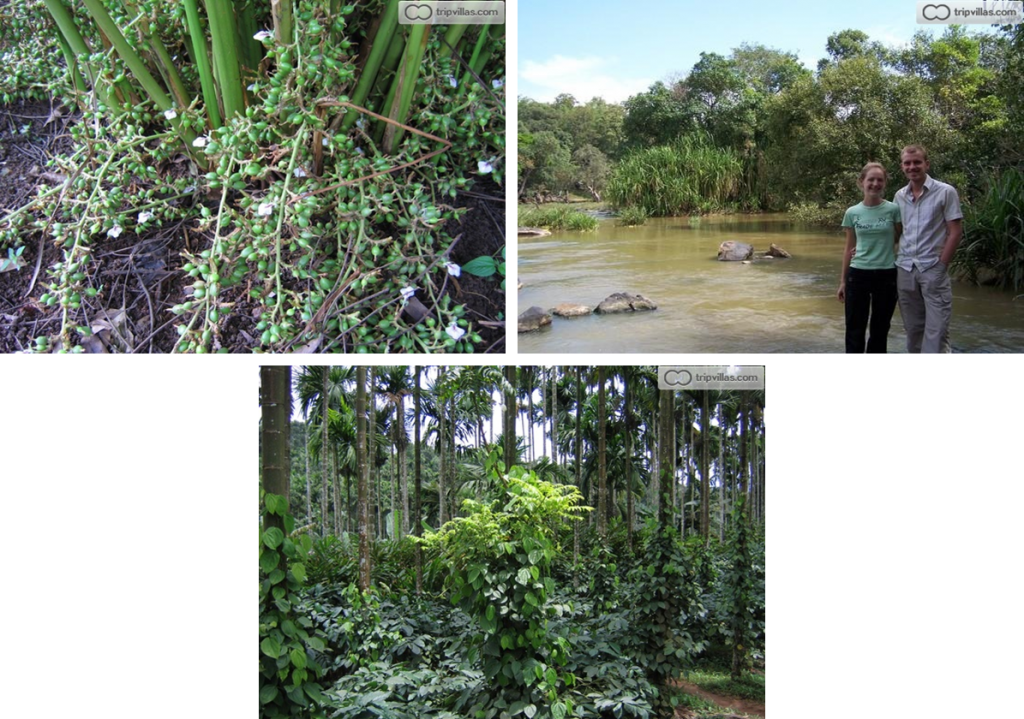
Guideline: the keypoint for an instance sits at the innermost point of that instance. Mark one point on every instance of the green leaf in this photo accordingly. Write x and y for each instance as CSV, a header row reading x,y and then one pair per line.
x,y
284,605
268,561
523,577
313,690
536,555
558,710
298,658
299,572
516,708
483,266
271,647
273,537
276,504
530,710
268,694
316,643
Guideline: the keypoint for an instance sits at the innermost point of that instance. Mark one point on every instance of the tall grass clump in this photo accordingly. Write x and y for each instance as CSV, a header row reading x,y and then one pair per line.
x,y
994,233
689,176
557,218
632,216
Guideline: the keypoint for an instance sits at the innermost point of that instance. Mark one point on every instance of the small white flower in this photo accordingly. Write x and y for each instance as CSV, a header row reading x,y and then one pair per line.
x,y
497,83
252,87
200,141
324,142
115,231
455,332
360,151
170,114
144,216
452,81
407,292
361,123
484,166
453,269
265,208
190,188
262,35
299,172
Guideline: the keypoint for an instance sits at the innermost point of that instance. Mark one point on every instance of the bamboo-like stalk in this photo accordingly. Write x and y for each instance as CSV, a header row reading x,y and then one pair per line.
x,y
480,54
284,22
225,55
195,32
414,50
77,47
368,76
250,51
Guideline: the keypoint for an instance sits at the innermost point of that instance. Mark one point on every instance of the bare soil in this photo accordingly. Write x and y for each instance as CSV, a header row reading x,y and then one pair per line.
x,y
742,707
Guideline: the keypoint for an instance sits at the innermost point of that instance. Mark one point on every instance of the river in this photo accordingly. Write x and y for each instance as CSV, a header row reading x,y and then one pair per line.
x,y
780,305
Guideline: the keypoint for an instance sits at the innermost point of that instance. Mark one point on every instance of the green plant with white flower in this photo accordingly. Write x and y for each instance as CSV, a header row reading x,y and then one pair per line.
x,y
487,266
312,184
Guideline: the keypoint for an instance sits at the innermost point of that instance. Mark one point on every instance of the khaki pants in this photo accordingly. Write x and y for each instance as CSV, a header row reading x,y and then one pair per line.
x,y
926,304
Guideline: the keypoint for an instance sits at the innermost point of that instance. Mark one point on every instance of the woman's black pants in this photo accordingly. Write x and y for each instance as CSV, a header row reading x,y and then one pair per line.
x,y
870,301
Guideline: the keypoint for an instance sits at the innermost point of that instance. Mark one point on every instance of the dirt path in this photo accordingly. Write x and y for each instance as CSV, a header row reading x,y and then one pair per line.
x,y
742,706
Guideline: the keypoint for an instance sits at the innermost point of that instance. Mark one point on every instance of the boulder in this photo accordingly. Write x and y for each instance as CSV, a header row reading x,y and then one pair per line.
x,y
533,319
533,232
733,251
624,302
776,251
570,309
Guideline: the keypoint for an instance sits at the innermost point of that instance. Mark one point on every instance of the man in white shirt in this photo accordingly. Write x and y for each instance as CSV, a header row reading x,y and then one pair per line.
x,y
932,229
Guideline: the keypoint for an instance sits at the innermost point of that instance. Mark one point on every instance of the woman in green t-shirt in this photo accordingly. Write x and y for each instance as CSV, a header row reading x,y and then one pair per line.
x,y
867,284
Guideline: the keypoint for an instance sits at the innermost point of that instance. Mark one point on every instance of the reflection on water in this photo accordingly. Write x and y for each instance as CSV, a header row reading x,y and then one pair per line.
x,y
710,306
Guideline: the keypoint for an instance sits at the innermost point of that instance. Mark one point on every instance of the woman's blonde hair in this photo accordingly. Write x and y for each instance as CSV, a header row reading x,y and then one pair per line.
x,y
870,166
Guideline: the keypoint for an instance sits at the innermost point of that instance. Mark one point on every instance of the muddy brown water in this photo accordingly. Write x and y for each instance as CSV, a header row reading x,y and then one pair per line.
x,y
709,306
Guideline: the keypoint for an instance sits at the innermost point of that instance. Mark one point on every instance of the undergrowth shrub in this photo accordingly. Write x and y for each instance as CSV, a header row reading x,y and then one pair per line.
x,y
291,647
741,612
557,218
499,557
663,597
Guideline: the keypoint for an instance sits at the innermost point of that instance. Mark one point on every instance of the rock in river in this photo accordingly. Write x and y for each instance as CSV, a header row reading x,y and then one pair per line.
x,y
533,319
625,302
776,251
733,251
570,309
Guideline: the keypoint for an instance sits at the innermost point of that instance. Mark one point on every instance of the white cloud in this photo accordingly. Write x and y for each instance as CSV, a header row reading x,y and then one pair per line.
x,y
582,77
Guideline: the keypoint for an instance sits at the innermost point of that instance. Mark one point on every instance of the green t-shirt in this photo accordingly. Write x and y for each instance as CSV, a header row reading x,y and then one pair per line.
x,y
876,233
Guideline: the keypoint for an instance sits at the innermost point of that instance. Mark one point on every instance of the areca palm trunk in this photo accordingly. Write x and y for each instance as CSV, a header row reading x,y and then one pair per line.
x,y
361,458
628,410
602,475
275,403
441,444
705,480
666,425
324,395
416,525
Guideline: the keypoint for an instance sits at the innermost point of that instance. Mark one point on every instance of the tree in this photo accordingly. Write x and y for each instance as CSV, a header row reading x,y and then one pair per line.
x,y
364,504
602,477
666,452
655,117
417,524
509,425
592,170
276,404
394,384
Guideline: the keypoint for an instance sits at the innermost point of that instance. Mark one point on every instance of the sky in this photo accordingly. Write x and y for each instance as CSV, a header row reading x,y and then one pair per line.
x,y
616,49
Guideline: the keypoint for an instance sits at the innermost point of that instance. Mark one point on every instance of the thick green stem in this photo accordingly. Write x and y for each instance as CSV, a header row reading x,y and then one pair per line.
x,y
373,63
414,50
225,56
195,31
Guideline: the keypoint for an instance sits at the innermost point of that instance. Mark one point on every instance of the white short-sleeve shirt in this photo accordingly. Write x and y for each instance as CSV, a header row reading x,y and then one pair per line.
x,y
924,223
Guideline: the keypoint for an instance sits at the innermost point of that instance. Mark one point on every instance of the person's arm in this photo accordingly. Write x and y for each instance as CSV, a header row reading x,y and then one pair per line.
x,y
954,233
848,252
896,237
